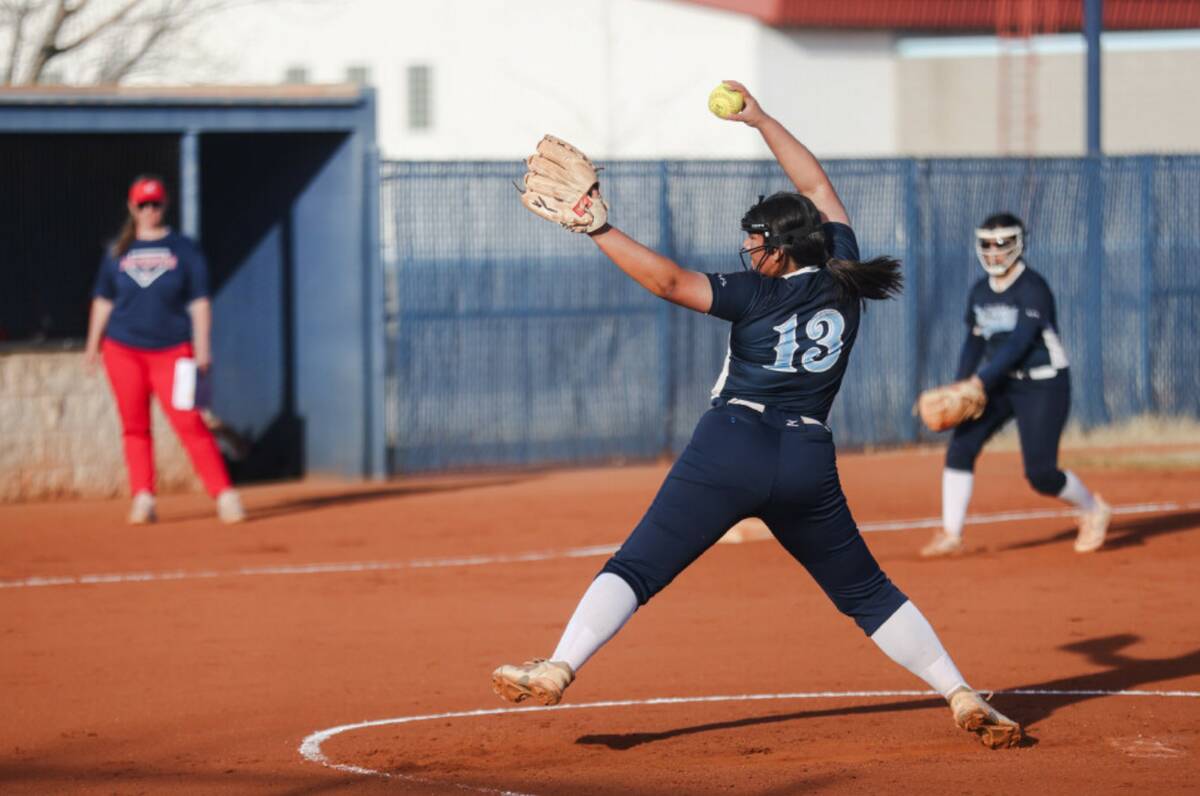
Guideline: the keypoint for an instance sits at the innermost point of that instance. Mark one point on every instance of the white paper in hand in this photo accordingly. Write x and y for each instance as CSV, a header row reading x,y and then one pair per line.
x,y
183,387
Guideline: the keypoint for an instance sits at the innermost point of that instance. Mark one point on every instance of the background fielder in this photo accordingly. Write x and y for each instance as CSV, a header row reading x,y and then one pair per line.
x,y
1012,329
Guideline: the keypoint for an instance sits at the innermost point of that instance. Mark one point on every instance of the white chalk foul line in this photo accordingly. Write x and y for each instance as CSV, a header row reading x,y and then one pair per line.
x,y
310,747
309,569
516,558
1020,516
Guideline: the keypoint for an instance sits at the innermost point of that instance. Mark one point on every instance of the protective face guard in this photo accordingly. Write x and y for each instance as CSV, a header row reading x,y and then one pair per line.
x,y
747,256
1008,241
753,228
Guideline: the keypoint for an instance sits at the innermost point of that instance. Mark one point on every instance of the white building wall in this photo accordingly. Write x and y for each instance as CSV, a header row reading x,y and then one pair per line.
x,y
629,79
621,79
835,91
964,97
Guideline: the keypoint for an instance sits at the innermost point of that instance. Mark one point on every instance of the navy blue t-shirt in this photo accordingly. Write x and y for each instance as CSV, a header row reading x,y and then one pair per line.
x,y
150,287
1016,329
791,335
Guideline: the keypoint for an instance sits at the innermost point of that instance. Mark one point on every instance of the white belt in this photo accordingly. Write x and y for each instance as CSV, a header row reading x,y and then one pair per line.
x,y
760,408
1040,373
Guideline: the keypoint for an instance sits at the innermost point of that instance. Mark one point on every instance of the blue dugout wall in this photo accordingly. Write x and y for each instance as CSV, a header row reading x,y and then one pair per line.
x,y
510,341
280,186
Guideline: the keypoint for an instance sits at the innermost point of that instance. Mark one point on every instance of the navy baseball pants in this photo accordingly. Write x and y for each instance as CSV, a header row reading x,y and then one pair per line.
x,y
739,464
1041,409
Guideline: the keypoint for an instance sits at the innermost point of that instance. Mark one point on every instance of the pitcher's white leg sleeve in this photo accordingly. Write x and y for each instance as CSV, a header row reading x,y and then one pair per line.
x,y
908,639
1075,493
606,606
956,495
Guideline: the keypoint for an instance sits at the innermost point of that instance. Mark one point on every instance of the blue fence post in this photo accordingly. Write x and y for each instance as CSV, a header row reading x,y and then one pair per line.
x,y
1146,295
913,271
189,184
669,372
375,443
1095,410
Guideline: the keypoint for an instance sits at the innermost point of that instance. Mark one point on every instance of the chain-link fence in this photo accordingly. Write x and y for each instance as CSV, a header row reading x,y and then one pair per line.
x,y
512,342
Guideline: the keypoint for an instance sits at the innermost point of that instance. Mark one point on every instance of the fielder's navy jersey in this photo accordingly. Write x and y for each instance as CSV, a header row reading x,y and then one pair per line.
x,y
791,335
150,287
1012,330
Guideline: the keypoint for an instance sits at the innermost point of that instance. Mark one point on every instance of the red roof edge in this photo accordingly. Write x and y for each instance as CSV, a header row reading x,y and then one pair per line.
x,y
963,15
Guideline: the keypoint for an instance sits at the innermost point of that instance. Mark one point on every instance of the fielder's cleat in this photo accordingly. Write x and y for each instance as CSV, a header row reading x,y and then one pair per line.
x,y
541,679
1093,527
942,544
142,512
751,529
973,714
229,507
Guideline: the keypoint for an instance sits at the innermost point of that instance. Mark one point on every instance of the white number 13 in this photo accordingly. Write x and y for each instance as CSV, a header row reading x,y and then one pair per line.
x,y
825,328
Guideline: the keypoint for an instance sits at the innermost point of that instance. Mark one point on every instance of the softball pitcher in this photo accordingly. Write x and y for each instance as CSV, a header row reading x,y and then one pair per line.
x,y
764,448
1013,330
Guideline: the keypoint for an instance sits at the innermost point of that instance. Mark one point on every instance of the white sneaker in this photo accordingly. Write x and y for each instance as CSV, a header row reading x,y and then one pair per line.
x,y
942,544
229,507
141,512
1093,527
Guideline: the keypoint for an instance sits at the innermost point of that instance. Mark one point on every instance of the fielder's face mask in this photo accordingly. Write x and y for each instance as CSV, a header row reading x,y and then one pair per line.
x,y
1006,241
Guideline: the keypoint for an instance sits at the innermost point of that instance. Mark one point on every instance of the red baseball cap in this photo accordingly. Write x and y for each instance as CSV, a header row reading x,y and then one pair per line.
x,y
147,189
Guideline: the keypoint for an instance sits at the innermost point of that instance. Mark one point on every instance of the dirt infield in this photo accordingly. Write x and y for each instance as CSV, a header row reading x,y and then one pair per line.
x,y
192,657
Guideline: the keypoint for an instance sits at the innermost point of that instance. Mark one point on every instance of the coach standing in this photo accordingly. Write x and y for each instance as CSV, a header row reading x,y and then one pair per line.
x,y
150,305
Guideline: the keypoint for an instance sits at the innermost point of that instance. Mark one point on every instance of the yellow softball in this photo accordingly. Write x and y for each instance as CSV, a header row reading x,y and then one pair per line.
x,y
724,101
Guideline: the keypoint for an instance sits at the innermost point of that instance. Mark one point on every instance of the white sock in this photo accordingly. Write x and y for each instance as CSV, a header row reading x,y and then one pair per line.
x,y
907,638
1075,493
606,606
956,495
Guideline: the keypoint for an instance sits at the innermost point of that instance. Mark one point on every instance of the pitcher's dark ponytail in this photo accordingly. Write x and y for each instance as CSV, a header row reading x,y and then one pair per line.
x,y
791,222
875,279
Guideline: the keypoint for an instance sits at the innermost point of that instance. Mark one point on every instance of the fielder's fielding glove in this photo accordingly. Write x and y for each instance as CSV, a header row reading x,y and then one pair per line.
x,y
561,186
951,404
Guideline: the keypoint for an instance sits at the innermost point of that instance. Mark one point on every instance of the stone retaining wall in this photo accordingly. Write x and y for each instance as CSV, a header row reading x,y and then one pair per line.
x,y
60,435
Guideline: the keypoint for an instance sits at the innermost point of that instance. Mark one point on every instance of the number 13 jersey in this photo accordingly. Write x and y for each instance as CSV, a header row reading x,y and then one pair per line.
x,y
791,335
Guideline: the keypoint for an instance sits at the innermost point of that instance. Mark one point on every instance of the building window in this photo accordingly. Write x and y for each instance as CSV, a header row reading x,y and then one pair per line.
x,y
296,75
420,97
358,75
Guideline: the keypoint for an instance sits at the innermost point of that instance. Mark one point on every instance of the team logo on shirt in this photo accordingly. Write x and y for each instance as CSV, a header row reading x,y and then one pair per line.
x,y
146,265
993,319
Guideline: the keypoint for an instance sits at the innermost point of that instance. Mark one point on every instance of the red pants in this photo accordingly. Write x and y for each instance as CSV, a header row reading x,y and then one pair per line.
x,y
134,373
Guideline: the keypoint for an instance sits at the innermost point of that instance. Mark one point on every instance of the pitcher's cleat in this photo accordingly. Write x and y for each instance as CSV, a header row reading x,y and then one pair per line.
x,y
1093,527
973,714
229,507
142,511
541,679
942,544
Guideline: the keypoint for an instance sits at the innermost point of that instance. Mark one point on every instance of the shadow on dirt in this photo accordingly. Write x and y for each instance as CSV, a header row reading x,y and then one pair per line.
x,y
1122,673
371,495
350,498
141,777
629,740
1125,532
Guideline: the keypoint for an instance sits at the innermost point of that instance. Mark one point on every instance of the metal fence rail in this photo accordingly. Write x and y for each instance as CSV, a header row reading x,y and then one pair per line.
x,y
512,342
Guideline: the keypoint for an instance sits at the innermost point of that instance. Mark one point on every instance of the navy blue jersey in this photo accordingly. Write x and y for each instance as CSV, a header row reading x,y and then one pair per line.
x,y
791,335
150,287
1013,330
